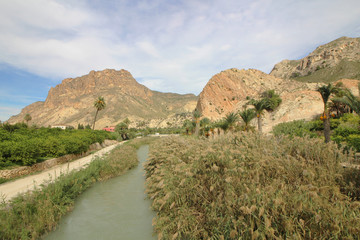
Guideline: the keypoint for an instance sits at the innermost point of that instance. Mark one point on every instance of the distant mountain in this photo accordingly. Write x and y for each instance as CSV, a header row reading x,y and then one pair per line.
x,y
329,62
71,102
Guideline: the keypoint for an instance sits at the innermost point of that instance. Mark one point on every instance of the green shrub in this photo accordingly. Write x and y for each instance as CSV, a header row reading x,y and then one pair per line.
x,y
346,129
354,141
298,128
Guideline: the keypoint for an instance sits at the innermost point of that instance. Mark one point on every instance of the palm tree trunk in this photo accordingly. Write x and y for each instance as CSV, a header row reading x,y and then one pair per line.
x,y
95,118
197,127
260,124
327,127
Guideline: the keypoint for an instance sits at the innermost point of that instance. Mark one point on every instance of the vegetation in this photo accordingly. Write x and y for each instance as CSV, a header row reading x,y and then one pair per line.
x,y
33,214
325,92
325,74
269,101
20,145
99,104
345,130
247,115
27,118
230,120
251,186
197,116
272,99
259,108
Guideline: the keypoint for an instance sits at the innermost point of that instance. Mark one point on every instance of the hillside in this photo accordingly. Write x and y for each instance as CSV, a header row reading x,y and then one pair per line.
x,y
229,90
71,102
329,62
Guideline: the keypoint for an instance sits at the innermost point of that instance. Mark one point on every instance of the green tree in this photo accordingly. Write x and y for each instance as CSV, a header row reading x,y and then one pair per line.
x,y
325,92
350,100
27,118
205,126
123,129
189,126
230,120
127,121
197,116
259,107
247,115
99,104
272,100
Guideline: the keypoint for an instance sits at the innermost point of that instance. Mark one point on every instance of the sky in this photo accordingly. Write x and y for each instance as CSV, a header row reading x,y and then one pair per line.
x,y
167,45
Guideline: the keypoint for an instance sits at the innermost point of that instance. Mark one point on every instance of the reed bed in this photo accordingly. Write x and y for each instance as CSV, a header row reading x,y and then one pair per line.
x,y
249,186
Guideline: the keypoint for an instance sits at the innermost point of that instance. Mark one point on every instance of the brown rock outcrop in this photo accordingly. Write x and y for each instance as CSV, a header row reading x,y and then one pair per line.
x,y
229,90
326,56
71,102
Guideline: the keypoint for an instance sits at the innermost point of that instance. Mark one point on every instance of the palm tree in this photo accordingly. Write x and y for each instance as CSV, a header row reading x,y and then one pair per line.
x,y
197,116
325,92
99,104
351,101
259,107
27,118
230,120
123,128
247,115
188,125
205,126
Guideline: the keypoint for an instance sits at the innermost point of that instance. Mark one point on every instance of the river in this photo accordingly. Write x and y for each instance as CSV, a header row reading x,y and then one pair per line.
x,y
115,209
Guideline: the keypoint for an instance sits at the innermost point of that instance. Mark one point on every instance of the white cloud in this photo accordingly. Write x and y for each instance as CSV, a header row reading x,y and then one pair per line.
x,y
172,46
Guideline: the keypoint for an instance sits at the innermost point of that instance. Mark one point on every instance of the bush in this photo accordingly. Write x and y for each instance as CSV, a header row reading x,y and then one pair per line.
x,y
298,128
354,141
346,129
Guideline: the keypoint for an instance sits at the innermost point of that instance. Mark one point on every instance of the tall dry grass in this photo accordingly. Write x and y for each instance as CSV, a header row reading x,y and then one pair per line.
x,y
249,186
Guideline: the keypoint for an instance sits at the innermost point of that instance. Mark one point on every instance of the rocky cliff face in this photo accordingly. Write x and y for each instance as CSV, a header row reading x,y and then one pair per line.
x,y
71,102
339,58
229,90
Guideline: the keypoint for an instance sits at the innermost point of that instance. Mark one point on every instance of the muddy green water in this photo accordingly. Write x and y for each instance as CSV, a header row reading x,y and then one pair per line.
x,y
115,209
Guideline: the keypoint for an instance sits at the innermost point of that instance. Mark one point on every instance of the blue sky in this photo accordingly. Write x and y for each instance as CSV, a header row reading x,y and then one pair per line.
x,y
167,45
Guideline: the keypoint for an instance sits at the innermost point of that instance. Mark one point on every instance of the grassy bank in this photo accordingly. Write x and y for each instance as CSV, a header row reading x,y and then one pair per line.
x,y
251,187
32,215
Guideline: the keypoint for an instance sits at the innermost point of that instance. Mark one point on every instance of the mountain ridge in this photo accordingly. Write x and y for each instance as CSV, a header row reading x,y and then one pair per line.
x,y
71,102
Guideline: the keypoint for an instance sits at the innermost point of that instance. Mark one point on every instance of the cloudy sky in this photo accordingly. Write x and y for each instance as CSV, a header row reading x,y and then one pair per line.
x,y
167,45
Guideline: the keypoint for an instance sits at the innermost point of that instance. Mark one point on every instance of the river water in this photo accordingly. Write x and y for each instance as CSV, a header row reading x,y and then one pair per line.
x,y
115,209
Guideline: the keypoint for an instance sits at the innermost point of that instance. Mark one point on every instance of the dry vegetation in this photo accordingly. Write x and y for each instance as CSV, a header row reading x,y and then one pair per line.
x,y
248,186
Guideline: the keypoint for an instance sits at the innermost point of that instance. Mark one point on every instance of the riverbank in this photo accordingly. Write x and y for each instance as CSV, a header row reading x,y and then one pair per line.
x,y
113,209
11,189
13,173
31,215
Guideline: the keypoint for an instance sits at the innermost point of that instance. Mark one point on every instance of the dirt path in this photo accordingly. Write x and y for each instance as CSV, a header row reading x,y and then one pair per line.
x,y
13,188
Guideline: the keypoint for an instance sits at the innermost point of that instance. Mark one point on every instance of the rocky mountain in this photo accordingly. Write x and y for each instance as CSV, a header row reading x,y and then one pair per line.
x,y
71,102
329,62
229,90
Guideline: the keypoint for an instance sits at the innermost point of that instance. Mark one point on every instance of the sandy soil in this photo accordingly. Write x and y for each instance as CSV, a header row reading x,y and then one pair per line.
x,y
11,189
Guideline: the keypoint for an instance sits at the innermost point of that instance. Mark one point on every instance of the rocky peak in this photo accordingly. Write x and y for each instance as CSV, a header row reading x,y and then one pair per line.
x,y
324,56
229,90
95,82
